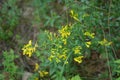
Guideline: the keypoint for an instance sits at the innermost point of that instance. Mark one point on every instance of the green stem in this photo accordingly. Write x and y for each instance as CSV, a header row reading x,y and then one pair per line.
x,y
62,71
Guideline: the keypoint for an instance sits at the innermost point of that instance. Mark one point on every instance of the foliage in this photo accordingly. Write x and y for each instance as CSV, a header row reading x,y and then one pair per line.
x,y
71,34
49,13
117,68
9,19
76,78
9,66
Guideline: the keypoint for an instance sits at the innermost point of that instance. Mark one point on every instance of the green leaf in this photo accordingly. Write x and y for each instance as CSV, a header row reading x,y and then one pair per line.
x,y
77,77
117,61
118,78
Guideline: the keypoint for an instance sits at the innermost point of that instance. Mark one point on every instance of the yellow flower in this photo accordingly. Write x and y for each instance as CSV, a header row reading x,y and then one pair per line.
x,y
65,51
74,15
43,73
36,79
51,35
77,49
36,67
78,59
57,60
28,49
88,44
92,35
53,51
51,57
62,56
64,31
64,41
104,42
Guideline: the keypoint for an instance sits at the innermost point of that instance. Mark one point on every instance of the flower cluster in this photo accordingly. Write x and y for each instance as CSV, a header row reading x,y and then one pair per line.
x,y
36,67
59,53
74,15
28,49
105,42
77,49
43,73
91,35
64,33
78,59
58,57
51,35
88,43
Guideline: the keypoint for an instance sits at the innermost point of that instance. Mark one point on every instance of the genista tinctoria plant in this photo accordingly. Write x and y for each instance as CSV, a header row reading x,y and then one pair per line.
x,y
61,51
